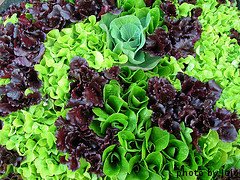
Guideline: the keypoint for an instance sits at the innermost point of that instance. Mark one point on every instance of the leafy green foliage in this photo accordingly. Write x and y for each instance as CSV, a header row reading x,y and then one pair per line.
x,y
115,163
121,108
126,35
13,19
140,10
4,81
216,153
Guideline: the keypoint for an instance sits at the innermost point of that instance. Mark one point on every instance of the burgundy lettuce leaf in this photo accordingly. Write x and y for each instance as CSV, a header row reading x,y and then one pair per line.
x,y
6,108
88,85
12,176
74,135
227,132
86,7
6,50
13,95
165,94
112,73
181,36
50,15
76,138
235,35
169,8
187,1
224,1
184,33
230,124
193,105
199,90
8,157
15,100
25,77
196,12
1,124
159,43
21,48
93,91
80,71
18,9
97,7
149,3
58,13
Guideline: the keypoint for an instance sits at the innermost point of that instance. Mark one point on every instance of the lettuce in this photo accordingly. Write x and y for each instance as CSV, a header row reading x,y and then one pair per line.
x,y
217,56
8,158
74,135
180,37
115,163
214,151
122,116
126,35
193,105
140,9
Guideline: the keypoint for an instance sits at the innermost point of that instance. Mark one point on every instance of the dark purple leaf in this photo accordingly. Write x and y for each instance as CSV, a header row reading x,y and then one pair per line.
x,y
149,3
12,176
22,61
161,90
75,137
112,73
181,36
196,12
159,43
93,92
18,8
8,157
187,1
88,87
80,71
227,132
169,8
1,124
193,105
235,35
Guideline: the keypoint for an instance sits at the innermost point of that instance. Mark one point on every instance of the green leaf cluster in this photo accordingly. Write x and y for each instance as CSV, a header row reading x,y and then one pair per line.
x,y
218,154
140,10
13,19
126,34
4,81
